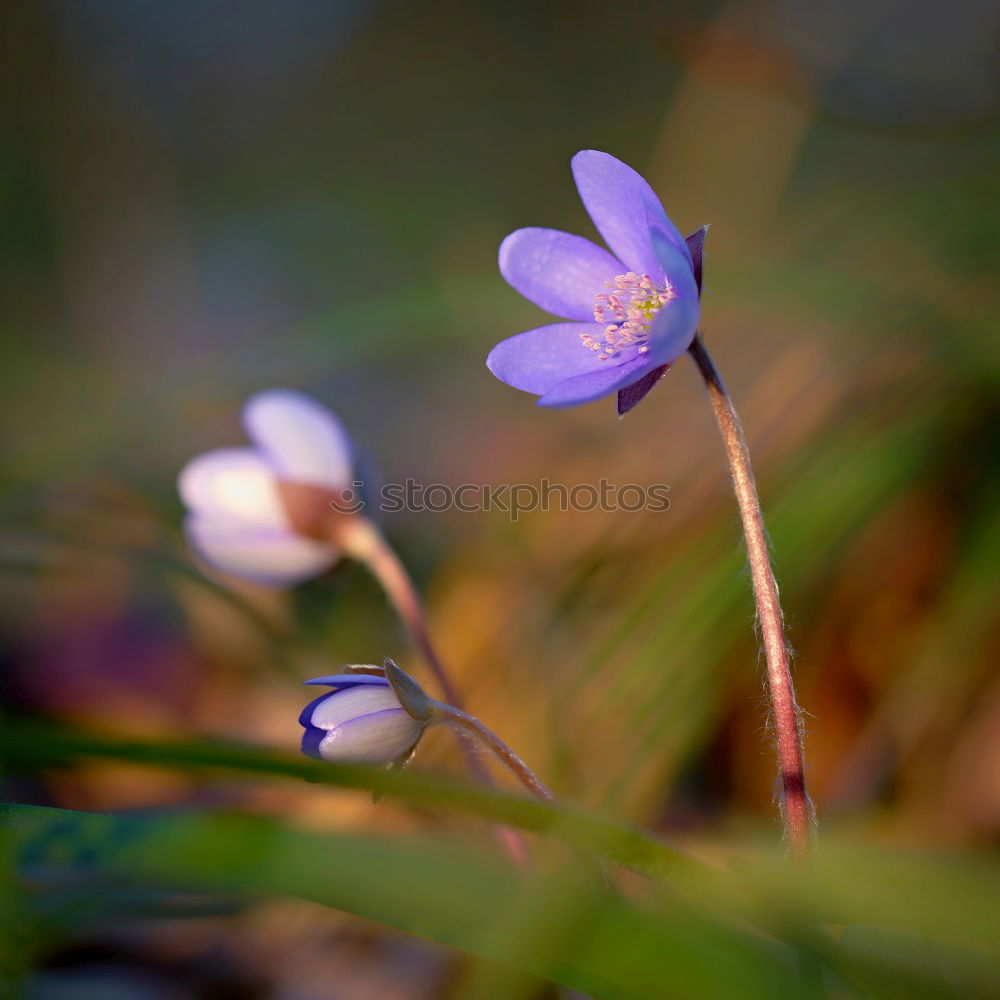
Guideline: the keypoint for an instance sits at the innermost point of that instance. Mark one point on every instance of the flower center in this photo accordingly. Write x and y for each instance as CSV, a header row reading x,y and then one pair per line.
x,y
628,310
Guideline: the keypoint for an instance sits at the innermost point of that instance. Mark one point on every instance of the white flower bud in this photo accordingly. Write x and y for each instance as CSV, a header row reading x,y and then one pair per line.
x,y
360,720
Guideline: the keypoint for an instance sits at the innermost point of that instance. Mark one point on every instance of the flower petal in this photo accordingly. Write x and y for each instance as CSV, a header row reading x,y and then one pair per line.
x,y
381,736
593,385
348,680
341,682
259,554
539,359
312,740
338,707
234,483
677,267
300,438
624,209
305,716
673,329
557,271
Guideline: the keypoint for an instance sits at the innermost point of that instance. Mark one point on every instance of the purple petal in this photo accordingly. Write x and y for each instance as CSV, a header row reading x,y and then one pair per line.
x,y
312,739
341,682
381,736
593,385
673,329
339,707
300,438
305,716
624,209
677,268
539,359
347,680
557,271
261,555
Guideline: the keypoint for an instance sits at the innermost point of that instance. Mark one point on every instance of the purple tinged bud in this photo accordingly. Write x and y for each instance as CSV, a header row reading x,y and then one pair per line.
x,y
361,720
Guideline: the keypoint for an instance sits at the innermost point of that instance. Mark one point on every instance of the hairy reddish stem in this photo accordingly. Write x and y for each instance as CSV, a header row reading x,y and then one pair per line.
x,y
469,724
796,808
364,542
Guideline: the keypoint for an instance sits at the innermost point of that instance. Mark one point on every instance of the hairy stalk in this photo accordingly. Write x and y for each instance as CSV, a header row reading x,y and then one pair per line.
x,y
362,540
466,723
796,808
368,545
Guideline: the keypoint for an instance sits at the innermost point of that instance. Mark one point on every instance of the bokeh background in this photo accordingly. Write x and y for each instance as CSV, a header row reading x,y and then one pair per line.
x,y
201,200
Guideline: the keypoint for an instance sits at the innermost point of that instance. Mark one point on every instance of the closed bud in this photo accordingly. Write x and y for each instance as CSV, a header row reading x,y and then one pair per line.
x,y
361,719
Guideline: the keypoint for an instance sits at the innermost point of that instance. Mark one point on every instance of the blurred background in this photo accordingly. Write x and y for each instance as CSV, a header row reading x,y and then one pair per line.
x,y
201,200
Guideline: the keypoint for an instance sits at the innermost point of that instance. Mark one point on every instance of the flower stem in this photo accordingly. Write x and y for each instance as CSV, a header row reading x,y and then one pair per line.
x,y
368,545
796,807
362,540
469,724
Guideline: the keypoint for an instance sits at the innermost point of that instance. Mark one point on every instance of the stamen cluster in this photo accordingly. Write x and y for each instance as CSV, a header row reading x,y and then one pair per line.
x,y
628,311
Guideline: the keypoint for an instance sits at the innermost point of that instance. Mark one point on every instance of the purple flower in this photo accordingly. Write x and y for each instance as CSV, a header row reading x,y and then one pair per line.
x,y
360,720
631,312
238,520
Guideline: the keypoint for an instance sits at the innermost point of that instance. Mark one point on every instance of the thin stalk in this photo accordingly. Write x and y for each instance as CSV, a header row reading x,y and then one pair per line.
x,y
469,724
362,540
796,808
